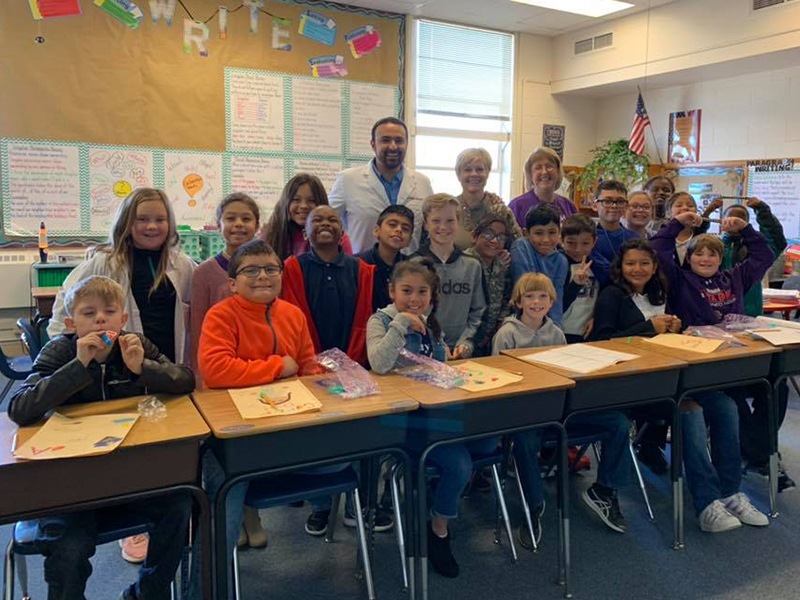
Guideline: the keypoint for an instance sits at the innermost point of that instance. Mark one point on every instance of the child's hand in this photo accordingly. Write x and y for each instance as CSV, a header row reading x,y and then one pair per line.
x,y
582,271
690,219
733,224
661,323
89,346
713,205
675,325
415,322
754,203
290,366
461,351
132,352
505,259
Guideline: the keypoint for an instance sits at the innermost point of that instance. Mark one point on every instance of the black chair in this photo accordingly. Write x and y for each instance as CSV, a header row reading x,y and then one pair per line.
x,y
14,369
31,337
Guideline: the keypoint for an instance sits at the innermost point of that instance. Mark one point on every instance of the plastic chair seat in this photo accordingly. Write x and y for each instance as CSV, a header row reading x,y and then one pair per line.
x,y
108,530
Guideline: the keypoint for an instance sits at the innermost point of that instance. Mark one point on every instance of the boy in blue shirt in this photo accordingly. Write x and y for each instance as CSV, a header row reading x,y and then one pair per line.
x,y
538,252
101,361
611,198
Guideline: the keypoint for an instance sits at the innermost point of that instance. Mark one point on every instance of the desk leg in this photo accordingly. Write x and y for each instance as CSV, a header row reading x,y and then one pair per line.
x,y
677,480
422,523
204,533
772,417
563,513
222,566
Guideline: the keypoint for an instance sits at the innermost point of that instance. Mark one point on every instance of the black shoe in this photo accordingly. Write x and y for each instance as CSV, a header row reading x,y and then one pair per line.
x,y
317,522
652,457
129,593
524,534
383,520
785,483
605,505
440,556
481,481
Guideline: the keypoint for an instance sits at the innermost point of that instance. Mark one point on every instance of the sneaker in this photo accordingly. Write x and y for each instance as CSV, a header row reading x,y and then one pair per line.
x,y
715,518
606,506
129,593
440,556
653,458
317,522
134,548
481,481
785,483
740,507
383,520
242,541
524,534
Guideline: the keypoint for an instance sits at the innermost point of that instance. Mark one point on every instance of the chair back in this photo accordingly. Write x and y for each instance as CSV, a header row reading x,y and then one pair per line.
x,y
30,337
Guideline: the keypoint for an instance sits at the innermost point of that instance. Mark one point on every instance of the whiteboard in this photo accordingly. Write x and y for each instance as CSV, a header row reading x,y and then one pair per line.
x,y
781,190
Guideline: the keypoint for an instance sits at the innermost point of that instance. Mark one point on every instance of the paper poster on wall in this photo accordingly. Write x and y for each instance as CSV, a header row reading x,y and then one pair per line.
x,y
327,66
113,174
260,177
47,9
684,136
363,40
318,27
317,116
781,190
255,111
368,104
326,170
42,184
193,183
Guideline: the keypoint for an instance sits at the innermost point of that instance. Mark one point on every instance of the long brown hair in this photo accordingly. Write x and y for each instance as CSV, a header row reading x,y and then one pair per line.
x,y
278,233
426,268
119,246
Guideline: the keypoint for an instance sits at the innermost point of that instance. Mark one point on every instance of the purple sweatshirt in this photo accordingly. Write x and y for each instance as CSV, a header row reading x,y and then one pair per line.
x,y
522,204
705,301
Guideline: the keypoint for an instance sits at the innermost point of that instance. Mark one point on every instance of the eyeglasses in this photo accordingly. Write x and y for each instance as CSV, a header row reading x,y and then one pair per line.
x,y
642,207
253,271
490,236
612,203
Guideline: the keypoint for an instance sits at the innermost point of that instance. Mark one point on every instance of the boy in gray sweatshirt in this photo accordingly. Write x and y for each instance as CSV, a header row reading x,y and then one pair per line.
x,y
462,301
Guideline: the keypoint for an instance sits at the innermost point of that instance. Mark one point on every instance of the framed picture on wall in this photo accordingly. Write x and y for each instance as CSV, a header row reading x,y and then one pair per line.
x,y
684,137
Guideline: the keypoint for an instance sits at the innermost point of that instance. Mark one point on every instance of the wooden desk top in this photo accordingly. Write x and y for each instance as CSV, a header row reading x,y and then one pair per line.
x,y
751,348
182,422
535,379
220,413
45,292
647,362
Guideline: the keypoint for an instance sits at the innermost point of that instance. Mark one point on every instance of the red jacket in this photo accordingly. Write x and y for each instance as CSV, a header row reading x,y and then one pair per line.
x,y
294,291
242,343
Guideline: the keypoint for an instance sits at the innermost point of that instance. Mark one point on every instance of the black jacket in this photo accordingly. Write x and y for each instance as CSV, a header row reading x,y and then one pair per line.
x,y
616,315
59,378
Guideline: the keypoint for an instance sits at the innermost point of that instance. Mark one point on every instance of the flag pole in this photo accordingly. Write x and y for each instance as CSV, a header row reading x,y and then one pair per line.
x,y
652,133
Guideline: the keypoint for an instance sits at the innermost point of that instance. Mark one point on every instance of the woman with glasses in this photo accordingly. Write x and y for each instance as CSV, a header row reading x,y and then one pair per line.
x,y
543,176
473,166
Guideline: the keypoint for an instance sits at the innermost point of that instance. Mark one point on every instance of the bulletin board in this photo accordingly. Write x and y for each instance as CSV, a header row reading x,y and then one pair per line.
x,y
93,94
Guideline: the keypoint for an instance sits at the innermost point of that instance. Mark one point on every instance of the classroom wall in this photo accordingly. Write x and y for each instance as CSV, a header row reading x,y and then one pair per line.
x,y
746,117
682,35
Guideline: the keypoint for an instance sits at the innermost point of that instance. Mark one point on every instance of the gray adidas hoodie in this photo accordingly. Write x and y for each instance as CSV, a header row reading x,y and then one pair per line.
x,y
513,333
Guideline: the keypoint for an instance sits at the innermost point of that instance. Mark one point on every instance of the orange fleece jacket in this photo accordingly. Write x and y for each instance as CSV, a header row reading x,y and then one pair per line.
x,y
242,342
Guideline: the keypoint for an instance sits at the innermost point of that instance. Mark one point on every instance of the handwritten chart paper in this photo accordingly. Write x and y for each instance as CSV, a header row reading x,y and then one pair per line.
x,y
579,358
317,116
255,111
274,400
260,177
368,103
685,342
326,170
193,183
781,190
64,437
43,185
480,378
113,174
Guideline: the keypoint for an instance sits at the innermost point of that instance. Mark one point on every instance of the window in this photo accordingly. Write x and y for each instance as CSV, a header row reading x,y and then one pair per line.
x,y
464,86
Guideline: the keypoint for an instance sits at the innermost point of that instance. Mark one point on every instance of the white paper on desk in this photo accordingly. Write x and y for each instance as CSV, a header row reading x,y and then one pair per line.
x,y
777,336
274,400
579,358
64,437
780,293
782,323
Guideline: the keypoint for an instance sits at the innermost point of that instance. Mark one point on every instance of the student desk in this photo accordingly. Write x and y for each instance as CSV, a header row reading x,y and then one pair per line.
x,y
344,430
724,368
44,298
456,415
155,458
650,379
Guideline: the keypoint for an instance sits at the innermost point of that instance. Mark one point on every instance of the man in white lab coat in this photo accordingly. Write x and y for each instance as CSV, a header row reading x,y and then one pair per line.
x,y
360,193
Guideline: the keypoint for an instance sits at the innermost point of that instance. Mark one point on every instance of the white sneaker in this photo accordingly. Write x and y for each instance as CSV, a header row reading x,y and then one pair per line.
x,y
739,505
715,518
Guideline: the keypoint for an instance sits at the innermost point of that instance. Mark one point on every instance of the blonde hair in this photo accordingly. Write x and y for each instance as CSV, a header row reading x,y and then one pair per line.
x,y
640,193
120,243
532,282
473,155
438,202
96,286
542,154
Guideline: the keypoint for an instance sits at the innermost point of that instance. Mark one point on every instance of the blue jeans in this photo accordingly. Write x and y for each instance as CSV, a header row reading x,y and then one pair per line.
x,y
612,472
454,463
68,541
720,476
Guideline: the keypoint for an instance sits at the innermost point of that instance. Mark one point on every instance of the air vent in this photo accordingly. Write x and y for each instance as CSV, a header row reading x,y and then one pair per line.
x,y
759,4
605,40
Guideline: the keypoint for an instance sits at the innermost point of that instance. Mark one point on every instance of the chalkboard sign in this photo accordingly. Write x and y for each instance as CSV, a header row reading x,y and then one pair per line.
x,y
781,190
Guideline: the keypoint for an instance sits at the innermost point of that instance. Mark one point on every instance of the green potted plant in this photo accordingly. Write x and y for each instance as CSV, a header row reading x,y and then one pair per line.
x,y
614,160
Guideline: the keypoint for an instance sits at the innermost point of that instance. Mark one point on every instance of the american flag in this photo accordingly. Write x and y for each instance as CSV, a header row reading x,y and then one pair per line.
x,y
640,122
